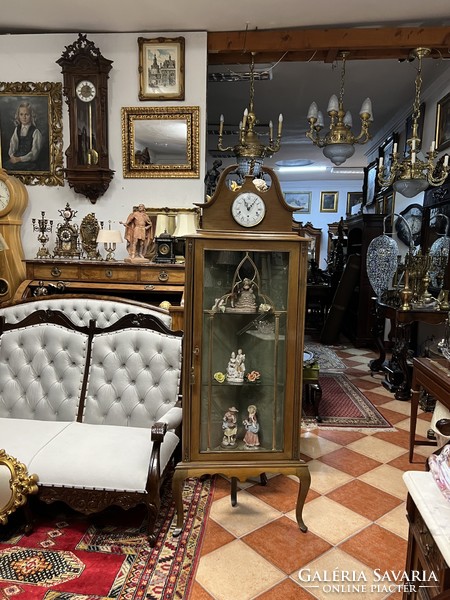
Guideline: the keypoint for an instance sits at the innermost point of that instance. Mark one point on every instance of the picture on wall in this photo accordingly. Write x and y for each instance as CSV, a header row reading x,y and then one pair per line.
x,y
301,201
329,201
353,199
161,68
443,123
370,186
31,132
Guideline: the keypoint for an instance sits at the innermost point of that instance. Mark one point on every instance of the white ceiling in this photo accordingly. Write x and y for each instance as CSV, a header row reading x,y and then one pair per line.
x,y
390,84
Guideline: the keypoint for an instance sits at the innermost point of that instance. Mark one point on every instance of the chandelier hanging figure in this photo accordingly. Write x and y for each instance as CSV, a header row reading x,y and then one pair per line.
x,y
339,142
249,151
413,175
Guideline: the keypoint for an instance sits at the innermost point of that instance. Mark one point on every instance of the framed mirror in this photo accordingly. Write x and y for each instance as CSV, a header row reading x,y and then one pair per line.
x,y
160,142
15,485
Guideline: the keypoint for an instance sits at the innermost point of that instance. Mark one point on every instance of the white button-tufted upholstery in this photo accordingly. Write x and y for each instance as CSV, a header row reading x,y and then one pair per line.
x,y
134,377
41,372
122,381
106,458
81,310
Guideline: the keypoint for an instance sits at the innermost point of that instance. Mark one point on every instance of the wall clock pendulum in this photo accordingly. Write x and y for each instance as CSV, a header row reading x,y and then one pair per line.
x,y
13,202
86,74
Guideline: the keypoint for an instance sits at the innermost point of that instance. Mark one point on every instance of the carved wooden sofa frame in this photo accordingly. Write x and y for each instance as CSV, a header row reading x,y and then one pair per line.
x,y
115,414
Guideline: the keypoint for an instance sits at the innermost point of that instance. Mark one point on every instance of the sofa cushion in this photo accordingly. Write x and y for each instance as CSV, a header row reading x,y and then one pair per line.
x,y
134,377
81,310
117,457
41,372
23,438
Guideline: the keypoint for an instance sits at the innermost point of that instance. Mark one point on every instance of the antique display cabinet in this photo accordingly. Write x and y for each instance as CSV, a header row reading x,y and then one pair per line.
x,y
244,323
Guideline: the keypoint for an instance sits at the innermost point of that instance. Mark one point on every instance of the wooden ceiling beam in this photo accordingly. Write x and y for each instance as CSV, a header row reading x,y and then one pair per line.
x,y
234,47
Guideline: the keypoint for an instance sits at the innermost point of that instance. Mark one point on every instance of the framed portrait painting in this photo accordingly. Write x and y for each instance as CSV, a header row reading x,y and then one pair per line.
x,y
329,201
161,68
443,123
301,201
31,132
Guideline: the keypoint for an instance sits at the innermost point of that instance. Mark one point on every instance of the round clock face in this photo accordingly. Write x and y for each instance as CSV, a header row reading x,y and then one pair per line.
x,y
86,91
164,249
410,231
248,209
5,195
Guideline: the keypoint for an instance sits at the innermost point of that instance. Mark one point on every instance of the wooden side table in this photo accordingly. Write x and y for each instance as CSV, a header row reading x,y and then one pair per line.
x,y
433,376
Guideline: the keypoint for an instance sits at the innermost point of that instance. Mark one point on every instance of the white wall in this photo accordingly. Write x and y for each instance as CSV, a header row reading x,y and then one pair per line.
x,y
319,219
33,58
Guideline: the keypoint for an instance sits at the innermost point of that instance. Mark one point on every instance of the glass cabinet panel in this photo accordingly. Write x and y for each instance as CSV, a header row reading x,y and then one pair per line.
x,y
243,354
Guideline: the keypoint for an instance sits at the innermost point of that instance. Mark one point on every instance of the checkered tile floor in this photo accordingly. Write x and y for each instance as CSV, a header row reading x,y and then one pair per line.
x,y
355,510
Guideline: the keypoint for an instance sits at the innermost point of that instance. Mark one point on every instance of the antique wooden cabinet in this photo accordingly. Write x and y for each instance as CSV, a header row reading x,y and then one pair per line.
x,y
243,352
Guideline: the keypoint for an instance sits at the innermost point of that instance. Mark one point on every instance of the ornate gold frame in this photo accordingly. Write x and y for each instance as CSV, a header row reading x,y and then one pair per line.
x,y
13,93
21,485
160,117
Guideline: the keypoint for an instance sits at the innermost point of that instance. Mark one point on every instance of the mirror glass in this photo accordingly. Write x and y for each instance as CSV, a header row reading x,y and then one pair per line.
x,y
5,488
160,142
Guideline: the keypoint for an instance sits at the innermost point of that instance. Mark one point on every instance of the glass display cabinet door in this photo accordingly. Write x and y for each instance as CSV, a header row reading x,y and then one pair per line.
x,y
243,361
243,352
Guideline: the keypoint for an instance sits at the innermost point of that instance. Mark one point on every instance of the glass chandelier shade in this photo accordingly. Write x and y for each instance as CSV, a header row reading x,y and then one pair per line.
x,y
381,260
249,151
439,254
339,142
414,173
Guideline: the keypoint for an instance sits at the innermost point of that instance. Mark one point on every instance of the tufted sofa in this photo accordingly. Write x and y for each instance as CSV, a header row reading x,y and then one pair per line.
x,y
92,409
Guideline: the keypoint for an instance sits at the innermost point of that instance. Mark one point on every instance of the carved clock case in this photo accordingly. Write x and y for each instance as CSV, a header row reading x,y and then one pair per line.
x,y
86,74
13,202
244,324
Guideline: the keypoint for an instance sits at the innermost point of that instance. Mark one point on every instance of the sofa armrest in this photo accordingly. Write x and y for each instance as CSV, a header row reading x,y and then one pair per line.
x,y
159,431
172,417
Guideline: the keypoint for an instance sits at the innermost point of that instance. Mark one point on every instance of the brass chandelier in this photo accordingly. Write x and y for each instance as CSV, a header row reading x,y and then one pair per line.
x,y
249,151
339,142
413,175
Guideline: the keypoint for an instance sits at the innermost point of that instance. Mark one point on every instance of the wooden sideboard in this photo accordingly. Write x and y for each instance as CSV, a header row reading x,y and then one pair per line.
x,y
428,555
146,282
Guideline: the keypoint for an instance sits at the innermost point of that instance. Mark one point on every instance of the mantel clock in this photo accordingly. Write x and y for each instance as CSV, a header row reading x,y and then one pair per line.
x,y
244,322
86,74
13,202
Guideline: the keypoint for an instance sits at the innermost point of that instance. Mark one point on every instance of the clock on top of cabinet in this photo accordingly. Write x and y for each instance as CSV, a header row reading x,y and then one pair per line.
x,y
243,348
255,204
86,74
13,202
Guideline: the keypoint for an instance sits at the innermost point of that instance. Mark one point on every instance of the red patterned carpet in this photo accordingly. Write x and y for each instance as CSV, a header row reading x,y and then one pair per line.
x,y
70,558
343,405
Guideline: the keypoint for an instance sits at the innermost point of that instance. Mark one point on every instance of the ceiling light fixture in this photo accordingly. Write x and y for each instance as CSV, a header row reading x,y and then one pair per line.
x,y
310,169
339,142
413,175
249,151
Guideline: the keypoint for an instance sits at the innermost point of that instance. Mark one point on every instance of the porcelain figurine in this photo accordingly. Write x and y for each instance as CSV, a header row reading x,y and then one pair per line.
x,y
251,437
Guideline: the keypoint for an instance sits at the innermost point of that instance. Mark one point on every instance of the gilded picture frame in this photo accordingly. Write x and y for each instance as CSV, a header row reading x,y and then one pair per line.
x,y
329,201
42,101
160,142
161,68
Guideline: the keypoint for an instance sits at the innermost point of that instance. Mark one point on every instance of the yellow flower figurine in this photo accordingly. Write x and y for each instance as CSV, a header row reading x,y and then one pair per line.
x,y
219,377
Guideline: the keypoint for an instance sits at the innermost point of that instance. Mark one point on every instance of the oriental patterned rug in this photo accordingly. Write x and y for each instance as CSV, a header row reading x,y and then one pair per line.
x,y
70,558
343,405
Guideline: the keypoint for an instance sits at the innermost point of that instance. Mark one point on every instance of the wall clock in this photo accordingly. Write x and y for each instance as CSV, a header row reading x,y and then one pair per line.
x,y
13,202
413,217
248,209
86,74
